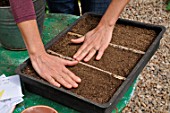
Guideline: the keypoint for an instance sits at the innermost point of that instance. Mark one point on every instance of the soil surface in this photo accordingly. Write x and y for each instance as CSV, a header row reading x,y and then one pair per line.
x,y
114,60
4,3
86,24
129,36
133,37
96,86
65,47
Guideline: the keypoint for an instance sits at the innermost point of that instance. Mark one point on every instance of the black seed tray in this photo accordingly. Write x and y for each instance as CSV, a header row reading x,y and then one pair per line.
x,y
81,104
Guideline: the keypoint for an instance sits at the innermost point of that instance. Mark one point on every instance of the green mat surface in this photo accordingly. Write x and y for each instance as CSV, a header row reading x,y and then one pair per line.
x,y
9,60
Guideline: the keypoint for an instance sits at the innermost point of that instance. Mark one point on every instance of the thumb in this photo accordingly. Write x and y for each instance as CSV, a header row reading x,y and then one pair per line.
x,y
78,40
70,63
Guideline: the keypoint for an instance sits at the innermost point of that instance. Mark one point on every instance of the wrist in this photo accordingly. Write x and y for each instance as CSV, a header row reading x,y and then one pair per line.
x,y
109,24
36,51
105,25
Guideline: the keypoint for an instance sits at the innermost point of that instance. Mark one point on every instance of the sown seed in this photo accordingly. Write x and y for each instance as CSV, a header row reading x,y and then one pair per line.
x,y
88,65
113,45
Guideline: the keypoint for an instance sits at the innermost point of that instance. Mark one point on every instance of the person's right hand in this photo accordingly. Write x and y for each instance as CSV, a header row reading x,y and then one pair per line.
x,y
53,69
49,67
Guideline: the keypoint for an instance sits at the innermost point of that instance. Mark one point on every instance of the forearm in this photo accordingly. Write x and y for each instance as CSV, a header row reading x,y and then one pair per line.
x,y
112,13
24,16
31,36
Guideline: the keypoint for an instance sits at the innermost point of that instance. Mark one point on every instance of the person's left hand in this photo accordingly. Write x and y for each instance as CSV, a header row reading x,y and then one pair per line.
x,y
94,41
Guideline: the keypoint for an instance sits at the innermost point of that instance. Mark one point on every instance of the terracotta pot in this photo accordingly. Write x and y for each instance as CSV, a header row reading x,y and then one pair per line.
x,y
39,109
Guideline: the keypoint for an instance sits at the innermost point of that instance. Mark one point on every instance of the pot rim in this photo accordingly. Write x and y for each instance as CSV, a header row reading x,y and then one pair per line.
x,y
8,7
5,7
44,106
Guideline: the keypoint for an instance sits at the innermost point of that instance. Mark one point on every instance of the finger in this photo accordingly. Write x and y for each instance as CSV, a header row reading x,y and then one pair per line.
x,y
100,53
60,79
83,54
90,55
78,40
72,75
67,78
80,50
47,77
70,63
51,81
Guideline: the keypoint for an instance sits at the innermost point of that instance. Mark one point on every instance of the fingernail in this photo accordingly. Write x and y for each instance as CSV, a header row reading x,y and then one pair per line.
x,y
79,80
69,86
75,85
59,85
86,60
74,56
79,59
97,58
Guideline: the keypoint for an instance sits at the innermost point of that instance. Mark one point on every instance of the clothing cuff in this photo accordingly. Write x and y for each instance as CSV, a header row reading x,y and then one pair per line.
x,y
26,18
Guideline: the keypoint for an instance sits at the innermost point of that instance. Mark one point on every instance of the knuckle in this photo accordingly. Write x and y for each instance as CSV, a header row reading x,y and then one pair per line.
x,y
48,78
87,34
97,47
69,72
52,81
103,48
64,82
60,77
72,74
